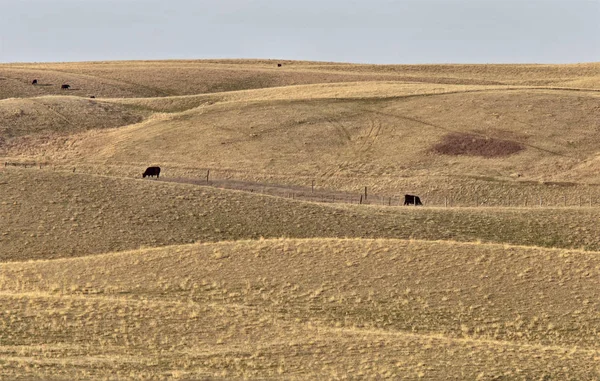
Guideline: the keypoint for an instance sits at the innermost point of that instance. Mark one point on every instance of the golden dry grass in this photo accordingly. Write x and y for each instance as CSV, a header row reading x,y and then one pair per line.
x,y
66,115
346,309
164,78
364,126
104,275
75,214
168,78
350,143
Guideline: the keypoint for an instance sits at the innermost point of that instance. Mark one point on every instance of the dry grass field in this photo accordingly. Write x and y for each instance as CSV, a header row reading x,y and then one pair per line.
x,y
105,275
50,214
305,309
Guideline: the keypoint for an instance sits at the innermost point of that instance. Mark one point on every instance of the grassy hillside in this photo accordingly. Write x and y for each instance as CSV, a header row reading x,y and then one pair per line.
x,y
332,121
166,78
49,214
170,78
354,308
33,123
537,134
106,275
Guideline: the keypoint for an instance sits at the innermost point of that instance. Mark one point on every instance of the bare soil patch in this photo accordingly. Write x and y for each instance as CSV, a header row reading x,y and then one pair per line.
x,y
457,144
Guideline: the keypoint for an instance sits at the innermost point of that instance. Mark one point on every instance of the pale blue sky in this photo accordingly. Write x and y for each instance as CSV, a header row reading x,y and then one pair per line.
x,y
364,31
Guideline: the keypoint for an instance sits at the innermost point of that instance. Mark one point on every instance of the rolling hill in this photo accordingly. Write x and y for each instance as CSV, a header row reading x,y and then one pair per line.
x,y
294,272
377,130
50,214
178,77
356,308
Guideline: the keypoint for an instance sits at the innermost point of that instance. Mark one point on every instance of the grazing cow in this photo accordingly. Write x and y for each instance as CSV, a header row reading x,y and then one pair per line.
x,y
34,82
278,65
65,87
93,96
151,171
412,200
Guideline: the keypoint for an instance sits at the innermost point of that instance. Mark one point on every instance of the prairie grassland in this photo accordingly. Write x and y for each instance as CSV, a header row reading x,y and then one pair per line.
x,y
48,214
170,78
104,275
61,115
348,308
341,90
352,143
165,78
362,130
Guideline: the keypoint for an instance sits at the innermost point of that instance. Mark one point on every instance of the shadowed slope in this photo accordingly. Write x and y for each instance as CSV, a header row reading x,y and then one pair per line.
x,y
48,214
29,124
575,75
169,78
166,78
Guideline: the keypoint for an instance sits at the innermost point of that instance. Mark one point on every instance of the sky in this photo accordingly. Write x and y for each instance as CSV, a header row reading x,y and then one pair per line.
x,y
359,31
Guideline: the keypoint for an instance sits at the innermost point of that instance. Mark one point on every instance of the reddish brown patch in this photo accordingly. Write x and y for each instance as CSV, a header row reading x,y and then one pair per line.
x,y
473,145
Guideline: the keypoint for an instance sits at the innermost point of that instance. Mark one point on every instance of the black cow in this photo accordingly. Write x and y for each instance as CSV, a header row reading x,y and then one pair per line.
x,y
278,65
92,96
65,87
412,200
151,171
34,82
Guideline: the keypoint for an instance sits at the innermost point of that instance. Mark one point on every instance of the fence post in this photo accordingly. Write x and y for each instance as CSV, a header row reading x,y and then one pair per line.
x,y
365,193
445,201
207,175
361,198
390,202
579,200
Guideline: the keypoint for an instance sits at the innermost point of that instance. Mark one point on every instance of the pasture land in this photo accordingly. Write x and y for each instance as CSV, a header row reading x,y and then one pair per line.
x,y
106,275
172,78
353,308
517,135
50,214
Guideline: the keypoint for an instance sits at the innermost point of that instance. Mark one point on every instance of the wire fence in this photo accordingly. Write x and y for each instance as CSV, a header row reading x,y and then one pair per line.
x,y
316,190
